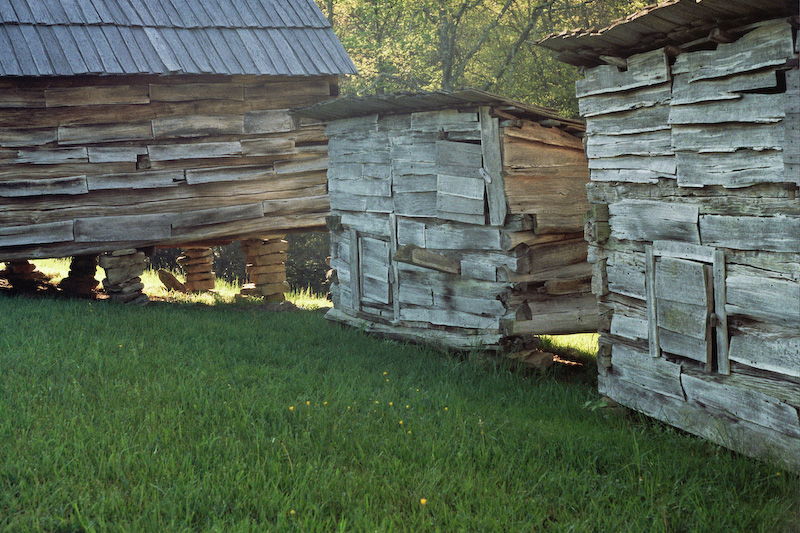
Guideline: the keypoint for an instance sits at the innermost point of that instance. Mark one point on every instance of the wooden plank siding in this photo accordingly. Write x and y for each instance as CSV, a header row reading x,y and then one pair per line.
x,y
482,213
200,156
694,234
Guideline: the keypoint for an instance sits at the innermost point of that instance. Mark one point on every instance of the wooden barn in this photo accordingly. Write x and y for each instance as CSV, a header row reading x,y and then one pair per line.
x,y
457,218
131,125
693,140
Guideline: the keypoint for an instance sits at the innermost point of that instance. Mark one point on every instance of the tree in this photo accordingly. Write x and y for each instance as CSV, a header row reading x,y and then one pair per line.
x,y
401,45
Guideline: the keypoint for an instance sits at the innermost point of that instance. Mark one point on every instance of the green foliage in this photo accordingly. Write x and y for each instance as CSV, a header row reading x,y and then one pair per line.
x,y
218,418
305,264
401,45
229,261
305,261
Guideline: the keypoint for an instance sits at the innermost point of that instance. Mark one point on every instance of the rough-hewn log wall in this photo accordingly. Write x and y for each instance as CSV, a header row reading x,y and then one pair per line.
x,y
458,227
91,163
695,237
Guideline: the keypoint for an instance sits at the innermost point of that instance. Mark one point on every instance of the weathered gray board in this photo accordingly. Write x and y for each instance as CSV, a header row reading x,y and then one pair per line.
x,y
426,236
697,268
137,161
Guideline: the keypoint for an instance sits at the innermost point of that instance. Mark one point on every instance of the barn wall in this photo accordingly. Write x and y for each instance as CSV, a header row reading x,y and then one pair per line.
x,y
95,163
695,238
416,245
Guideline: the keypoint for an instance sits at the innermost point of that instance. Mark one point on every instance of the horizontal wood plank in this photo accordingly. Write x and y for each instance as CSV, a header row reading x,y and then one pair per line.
x,y
649,68
207,150
651,373
136,180
649,220
742,404
197,126
104,133
123,228
776,233
772,353
202,217
51,232
21,188
769,45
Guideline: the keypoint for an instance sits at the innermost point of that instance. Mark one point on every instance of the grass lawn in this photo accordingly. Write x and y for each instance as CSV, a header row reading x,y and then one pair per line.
x,y
222,417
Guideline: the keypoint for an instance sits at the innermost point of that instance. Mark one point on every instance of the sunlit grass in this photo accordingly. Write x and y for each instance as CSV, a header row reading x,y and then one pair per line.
x,y
56,269
307,299
584,344
224,291
224,418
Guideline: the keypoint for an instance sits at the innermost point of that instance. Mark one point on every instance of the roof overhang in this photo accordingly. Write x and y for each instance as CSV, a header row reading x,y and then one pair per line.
x,y
403,103
669,23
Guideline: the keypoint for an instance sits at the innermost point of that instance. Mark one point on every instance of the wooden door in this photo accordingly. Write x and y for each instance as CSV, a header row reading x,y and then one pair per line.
x,y
374,263
684,306
686,303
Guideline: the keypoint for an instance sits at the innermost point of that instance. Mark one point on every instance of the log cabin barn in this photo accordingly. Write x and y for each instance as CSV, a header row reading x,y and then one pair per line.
x,y
693,140
128,125
457,218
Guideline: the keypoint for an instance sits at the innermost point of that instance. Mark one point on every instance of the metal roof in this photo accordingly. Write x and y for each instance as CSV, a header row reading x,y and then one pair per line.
x,y
260,37
673,22
402,103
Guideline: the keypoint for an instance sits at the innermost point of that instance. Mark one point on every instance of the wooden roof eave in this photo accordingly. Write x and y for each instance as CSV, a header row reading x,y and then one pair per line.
x,y
676,23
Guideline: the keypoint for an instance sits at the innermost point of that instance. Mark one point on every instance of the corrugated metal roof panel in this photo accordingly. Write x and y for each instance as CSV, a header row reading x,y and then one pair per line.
x,y
266,37
674,22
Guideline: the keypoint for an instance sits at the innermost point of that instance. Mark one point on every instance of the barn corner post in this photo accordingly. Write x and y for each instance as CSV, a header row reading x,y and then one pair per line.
x,y
693,151
456,219
143,138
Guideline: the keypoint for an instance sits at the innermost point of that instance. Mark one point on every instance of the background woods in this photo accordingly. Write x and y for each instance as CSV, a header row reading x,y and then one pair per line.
x,y
412,45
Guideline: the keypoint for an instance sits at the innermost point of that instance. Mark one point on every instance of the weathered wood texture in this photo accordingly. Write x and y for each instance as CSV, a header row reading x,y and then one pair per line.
x,y
464,224
694,237
144,160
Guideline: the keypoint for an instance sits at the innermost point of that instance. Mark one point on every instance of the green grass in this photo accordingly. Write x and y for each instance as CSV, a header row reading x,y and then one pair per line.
x,y
224,291
227,418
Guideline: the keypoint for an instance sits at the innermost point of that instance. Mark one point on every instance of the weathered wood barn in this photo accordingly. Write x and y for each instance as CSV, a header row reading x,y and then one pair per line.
x,y
132,124
457,218
693,139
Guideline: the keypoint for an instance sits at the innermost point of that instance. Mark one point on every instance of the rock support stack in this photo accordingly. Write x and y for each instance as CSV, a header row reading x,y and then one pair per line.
x,y
21,273
266,268
198,265
81,278
123,281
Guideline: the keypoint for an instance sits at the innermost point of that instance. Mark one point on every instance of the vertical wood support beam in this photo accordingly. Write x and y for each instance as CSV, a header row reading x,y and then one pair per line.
x,y
709,281
720,295
394,271
355,270
652,312
493,165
